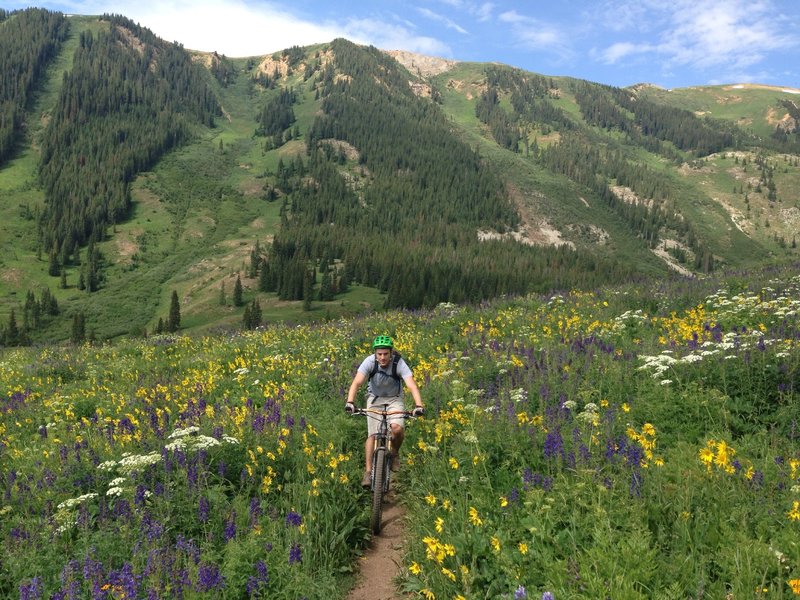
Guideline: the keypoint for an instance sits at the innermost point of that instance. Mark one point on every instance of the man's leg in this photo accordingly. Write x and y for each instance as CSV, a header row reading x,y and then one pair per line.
x,y
398,435
369,446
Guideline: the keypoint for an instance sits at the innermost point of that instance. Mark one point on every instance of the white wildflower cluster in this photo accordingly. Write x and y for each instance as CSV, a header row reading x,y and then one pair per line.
x,y
471,438
629,318
241,371
589,414
136,462
569,404
178,433
764,304
443,374
519,395
194,442
73,502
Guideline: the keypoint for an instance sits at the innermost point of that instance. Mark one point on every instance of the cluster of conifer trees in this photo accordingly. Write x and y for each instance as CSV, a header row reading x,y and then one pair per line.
x,y
121,107
28,40
596,166
35,313
410,226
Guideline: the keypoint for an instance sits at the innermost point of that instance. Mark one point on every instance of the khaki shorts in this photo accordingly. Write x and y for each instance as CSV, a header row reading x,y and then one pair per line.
x,y
374,421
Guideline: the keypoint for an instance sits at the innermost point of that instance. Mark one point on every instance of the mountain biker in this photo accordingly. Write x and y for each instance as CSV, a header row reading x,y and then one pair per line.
x,y
385,371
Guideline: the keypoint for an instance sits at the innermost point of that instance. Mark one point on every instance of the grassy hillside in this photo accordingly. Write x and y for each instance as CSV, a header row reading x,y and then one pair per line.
x,y
200,211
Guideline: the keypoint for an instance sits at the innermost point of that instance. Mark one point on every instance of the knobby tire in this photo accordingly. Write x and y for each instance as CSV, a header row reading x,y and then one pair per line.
x,y
378,488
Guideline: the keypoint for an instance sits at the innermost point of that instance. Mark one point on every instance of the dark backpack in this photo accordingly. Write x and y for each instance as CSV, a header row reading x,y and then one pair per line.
x,y
395,359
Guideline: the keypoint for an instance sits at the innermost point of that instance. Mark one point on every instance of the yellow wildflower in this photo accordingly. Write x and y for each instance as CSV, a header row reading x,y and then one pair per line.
x,y
415,568
495,542
523,548
439,525
474,517
794,514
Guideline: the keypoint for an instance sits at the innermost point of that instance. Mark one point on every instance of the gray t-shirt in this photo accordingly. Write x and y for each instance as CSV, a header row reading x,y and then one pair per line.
x,y
382,383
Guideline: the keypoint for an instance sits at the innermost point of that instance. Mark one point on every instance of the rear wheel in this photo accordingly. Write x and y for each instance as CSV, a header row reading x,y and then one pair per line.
x,y
378,474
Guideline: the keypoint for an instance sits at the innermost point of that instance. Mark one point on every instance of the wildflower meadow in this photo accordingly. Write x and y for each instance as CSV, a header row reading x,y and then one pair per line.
x,y
631,442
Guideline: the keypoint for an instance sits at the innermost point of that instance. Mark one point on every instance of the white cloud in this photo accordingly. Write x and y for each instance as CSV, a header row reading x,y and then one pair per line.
x,y
727,34
429,14
388,36
533,34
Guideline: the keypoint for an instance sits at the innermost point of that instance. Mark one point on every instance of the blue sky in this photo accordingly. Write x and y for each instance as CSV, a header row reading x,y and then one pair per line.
x,y
671,43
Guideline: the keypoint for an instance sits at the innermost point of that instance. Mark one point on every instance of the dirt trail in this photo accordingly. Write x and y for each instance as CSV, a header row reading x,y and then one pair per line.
x,y
381,562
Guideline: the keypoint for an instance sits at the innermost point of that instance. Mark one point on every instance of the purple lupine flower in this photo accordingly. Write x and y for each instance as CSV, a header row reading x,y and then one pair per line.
x,y
191,474
32,590
230,527
203,509
553,444
295,554
209,578
255,511
258,581
520,593
293,519
548,596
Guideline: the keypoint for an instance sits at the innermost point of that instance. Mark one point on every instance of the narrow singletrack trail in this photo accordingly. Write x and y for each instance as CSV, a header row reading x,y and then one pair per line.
x,y
381,561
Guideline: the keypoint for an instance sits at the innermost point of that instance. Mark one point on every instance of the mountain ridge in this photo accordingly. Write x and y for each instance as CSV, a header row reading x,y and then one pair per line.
x,y
642,199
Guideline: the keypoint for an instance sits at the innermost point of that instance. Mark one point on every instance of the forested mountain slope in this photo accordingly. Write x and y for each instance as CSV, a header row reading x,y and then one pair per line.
x,y
330,179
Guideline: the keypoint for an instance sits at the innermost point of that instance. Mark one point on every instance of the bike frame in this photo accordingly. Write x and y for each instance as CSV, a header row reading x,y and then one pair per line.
x,y
381,455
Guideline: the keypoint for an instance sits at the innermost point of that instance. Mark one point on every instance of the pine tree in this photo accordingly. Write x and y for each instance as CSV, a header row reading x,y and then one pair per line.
x,y
12,334
174,319
78,335
222,299
237,292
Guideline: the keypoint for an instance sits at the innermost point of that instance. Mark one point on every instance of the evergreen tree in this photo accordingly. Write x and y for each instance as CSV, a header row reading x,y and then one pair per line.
x,y
222,299
78,335
174,318
12,336
308,289
237,292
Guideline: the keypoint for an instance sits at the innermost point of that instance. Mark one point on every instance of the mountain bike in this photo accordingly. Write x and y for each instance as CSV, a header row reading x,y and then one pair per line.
x,y
381,460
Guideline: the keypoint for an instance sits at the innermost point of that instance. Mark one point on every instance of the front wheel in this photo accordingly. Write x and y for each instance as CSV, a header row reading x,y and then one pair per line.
x,y
378,475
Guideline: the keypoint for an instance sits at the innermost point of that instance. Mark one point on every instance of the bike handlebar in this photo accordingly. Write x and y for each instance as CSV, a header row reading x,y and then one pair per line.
x,y
367,411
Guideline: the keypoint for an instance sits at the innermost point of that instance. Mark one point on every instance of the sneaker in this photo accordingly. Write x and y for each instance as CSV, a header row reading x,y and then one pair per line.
x,y
394,462
366,481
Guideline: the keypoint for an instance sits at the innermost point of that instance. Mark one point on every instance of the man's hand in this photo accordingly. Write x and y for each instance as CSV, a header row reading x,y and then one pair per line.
x,y
349,407
418,411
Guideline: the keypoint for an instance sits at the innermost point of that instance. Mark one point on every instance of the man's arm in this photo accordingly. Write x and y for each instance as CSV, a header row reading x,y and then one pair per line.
x,y
358,381
412,387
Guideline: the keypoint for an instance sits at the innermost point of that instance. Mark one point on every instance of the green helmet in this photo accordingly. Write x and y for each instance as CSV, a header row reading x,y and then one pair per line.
x,y
382,341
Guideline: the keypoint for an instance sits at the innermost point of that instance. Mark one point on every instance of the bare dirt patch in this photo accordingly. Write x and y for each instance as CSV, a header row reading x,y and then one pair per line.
x,y
382,561
470,90
11,276
628,196
663,254
424,66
